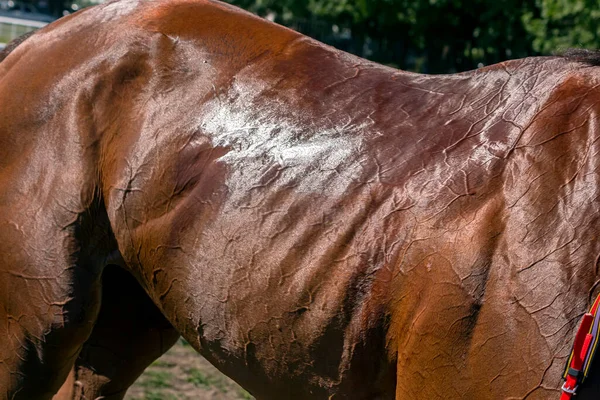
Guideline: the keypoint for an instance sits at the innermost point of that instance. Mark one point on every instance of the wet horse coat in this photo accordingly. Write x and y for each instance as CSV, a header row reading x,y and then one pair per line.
x,y
315,225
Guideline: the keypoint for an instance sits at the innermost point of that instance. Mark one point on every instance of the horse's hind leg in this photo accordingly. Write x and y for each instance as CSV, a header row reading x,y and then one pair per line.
x,y
49,299
129,334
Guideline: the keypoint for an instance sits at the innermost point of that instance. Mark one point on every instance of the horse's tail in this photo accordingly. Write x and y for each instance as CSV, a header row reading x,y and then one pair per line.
x,y
13,45
590,57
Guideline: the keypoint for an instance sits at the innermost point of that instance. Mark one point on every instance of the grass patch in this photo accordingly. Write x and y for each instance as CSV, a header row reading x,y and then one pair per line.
x,y
245,395
156,379
9,32
200,379
163,364
157,395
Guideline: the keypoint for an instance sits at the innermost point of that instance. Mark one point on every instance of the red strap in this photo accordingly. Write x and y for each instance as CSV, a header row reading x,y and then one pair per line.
x,y
595,306
580,349
569,388
586,346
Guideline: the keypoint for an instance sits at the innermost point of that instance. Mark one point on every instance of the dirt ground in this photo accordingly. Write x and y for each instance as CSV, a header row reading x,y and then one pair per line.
x,y
182,374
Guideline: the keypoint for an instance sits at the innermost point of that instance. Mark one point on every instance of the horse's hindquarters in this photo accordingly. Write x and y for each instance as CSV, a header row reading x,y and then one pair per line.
x,y
50,296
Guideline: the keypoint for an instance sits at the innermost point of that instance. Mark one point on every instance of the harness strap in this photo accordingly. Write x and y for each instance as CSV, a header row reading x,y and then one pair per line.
x,y
584,348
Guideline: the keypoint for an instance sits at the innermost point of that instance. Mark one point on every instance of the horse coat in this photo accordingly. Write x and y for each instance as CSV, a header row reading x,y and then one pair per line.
x,y
316,225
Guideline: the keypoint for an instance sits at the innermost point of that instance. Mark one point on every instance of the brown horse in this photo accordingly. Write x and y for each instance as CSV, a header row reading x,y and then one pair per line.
x,y
317,226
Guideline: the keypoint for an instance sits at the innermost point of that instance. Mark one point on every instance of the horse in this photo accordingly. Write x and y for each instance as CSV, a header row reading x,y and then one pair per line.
x,y
316,225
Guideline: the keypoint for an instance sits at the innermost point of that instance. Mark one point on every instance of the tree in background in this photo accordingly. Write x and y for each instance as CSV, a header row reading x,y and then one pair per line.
x,y
56,7
435,36
440,35
456,35
561,24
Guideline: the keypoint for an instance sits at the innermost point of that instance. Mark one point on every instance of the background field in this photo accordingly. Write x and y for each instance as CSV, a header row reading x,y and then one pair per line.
x,y
182,374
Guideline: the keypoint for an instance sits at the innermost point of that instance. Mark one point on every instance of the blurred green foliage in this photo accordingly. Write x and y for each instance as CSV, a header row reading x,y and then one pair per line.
x,y
558,24
440,35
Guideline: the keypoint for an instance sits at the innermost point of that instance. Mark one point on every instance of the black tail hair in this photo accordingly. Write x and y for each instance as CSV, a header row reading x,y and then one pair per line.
x,y
590,57
13,45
